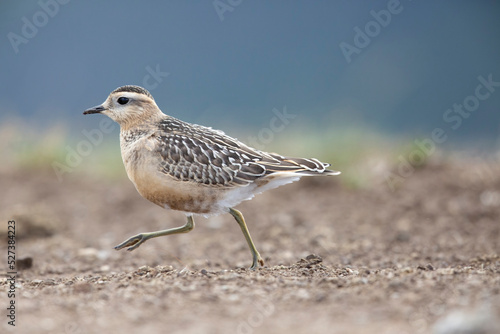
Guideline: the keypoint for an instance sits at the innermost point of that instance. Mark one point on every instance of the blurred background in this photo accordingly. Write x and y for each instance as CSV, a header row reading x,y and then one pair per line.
x,y
403,97
339,80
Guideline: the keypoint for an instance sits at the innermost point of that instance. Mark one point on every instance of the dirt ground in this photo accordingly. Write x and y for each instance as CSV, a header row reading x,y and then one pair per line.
x,y
423,258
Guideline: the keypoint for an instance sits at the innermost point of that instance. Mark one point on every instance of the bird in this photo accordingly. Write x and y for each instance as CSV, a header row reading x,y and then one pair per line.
x,y
192,168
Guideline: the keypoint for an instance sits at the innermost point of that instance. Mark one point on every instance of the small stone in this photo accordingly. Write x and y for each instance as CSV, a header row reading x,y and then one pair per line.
x,y
82,287
104,268
402,237
428,267
24,263
313,258
183,272
89,253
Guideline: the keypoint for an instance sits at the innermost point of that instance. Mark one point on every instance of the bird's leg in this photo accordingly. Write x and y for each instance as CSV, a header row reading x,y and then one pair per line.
x,y
140,238
241,221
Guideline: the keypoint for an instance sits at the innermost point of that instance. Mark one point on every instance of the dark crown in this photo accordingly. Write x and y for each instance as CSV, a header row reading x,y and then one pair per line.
x,y
133,89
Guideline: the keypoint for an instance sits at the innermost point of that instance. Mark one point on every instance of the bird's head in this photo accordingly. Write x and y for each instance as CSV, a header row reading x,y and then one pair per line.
x,y
127,105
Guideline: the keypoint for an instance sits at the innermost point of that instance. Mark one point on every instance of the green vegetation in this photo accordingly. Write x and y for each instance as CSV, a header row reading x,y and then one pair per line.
x,y
363,156
27,148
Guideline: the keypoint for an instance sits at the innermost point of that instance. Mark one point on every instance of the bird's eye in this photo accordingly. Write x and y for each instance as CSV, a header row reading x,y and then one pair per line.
x,y
123,100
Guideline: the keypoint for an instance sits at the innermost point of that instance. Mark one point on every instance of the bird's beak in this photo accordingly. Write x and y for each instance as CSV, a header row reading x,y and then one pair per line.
x,y
94,110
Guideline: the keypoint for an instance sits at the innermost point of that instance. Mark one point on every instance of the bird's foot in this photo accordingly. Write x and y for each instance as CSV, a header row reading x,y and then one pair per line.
x,y
134,242
256,261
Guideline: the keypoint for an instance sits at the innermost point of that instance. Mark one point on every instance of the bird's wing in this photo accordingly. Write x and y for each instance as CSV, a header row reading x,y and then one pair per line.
x,y
197,153
200,154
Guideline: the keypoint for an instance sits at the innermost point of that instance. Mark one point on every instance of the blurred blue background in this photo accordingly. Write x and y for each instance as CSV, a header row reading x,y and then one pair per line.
x,y
229,63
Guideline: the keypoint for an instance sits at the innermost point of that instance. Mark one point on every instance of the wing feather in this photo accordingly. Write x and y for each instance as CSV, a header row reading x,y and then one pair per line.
x,y
200,154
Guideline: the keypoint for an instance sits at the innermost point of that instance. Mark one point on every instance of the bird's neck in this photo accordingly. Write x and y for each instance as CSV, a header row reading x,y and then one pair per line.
x,y
145,120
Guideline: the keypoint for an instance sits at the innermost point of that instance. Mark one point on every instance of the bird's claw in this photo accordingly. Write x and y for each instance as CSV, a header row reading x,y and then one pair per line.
x,y
134,242
257,260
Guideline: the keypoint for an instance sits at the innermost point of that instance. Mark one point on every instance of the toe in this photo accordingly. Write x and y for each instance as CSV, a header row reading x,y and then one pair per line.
x,y
135,241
